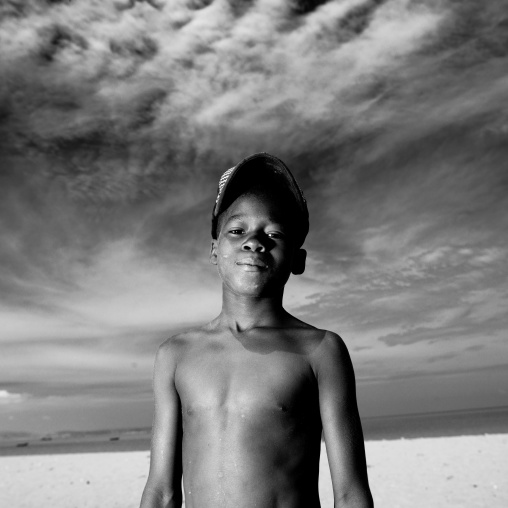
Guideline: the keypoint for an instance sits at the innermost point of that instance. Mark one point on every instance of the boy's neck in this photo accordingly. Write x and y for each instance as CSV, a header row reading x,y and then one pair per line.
x,y
241,313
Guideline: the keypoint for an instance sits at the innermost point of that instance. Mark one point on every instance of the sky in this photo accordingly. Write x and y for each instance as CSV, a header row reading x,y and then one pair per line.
x,y
116,122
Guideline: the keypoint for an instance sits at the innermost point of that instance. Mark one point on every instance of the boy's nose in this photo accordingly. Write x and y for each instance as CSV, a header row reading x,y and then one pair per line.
x,y
253,243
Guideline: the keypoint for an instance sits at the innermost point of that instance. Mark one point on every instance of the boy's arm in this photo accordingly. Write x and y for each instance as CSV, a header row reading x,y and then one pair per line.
x,y
163,487
341,424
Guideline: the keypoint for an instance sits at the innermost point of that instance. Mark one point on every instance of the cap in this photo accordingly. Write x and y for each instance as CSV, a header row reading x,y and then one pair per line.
x,y
256,169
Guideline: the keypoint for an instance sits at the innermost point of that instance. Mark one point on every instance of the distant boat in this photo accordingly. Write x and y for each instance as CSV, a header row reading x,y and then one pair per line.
x,y
114,438
21,445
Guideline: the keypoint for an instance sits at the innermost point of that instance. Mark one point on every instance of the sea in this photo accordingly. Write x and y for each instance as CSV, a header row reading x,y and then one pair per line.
x,y
492,420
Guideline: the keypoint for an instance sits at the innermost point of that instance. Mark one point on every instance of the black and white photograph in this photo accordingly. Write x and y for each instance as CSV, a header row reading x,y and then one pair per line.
x,y
253,253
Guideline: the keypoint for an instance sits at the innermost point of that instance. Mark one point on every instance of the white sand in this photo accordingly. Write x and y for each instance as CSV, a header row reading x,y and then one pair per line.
x,y
465,472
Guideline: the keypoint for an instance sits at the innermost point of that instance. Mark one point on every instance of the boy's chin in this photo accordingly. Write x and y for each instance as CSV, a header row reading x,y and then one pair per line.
x,y
255,290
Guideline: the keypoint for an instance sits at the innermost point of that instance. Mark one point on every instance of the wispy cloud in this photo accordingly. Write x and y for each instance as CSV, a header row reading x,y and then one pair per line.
x,y
117,122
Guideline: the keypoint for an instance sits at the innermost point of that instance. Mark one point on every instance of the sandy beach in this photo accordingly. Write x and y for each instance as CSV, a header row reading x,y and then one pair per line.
x,y
465,472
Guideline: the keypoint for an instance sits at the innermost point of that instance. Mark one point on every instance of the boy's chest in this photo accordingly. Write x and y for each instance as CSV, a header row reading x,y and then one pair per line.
x,y
241,381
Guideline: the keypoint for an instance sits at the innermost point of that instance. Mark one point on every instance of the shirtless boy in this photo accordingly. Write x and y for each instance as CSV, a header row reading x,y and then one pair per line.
x,y
241,402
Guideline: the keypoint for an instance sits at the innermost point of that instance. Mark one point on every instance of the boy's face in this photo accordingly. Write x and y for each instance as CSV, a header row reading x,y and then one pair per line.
x,y
255,251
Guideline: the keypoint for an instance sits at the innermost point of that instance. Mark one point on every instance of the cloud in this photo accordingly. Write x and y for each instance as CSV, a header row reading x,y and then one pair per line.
x,y
11,398
116,125
121,290
126,114
139,96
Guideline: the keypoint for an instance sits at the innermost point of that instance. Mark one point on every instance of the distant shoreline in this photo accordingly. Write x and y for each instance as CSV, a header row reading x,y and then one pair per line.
x,y
411,426
437,424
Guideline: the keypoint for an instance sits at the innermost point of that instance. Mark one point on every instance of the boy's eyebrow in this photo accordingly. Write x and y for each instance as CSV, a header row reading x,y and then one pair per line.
x,y
234,217
240,216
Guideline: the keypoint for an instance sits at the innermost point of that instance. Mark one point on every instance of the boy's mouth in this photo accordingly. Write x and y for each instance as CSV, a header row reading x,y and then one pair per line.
x,y
251,262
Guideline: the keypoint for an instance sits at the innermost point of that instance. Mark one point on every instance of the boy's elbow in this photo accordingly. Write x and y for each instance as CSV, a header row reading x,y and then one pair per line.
x,y
354,498
154,497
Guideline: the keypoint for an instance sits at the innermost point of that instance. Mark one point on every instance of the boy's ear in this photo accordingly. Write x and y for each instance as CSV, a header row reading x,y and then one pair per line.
x,y
299,262
213,252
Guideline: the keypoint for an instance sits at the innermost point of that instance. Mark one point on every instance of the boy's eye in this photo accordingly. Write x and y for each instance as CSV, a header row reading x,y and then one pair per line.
x,y
236,231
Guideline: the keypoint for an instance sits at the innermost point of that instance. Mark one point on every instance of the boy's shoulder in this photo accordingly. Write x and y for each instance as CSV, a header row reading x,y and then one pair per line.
x,y
329,345
333,342
331,362
171,351
326,349
325,340
182,341
184,338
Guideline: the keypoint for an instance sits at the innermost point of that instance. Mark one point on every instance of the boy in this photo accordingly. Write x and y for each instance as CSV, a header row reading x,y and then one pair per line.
x,y
241,402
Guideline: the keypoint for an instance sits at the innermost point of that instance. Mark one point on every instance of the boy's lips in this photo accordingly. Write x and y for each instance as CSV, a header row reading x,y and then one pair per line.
x,y
252,262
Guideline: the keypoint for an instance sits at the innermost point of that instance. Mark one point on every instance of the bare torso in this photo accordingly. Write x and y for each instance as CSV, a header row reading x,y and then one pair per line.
x,y
241,403
250,418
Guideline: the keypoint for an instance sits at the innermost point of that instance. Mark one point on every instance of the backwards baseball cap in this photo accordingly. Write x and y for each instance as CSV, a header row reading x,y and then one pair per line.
x,y
266,170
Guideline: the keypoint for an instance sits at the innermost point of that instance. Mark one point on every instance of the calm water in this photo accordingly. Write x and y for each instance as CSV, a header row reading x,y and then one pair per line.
x,y
452,423
449,423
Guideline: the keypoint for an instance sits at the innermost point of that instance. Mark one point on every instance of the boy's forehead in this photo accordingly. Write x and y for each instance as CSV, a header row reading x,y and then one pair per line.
x,y
258,201
257,204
